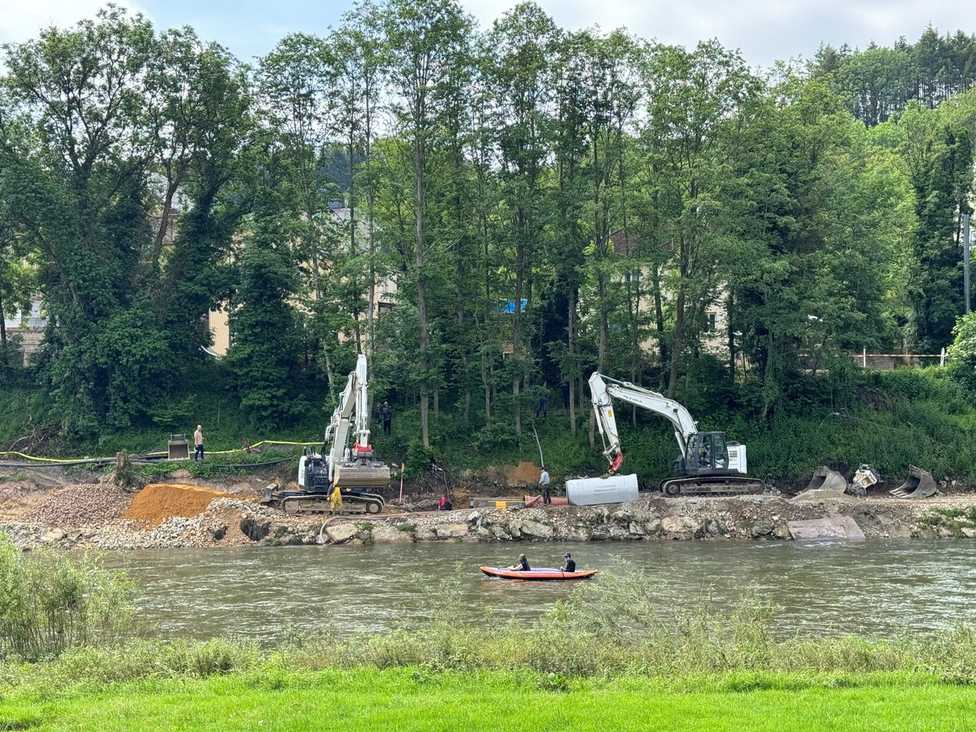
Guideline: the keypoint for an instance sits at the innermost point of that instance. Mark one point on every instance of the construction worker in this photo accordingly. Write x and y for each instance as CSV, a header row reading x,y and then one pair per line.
x,y
198,443
542,407
544,485
386,416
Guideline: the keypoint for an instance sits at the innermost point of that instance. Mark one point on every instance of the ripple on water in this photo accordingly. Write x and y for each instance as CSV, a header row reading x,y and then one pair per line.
x,y
875,588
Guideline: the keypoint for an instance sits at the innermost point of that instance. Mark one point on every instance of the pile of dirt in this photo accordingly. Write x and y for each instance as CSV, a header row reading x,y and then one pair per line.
x,y
526,473
158,502
81,505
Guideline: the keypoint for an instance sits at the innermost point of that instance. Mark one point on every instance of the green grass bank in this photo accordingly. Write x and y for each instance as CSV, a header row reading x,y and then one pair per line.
x,y
414,699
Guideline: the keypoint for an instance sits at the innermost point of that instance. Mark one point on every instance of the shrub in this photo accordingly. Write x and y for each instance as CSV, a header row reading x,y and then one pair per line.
x,y
962,352
50,602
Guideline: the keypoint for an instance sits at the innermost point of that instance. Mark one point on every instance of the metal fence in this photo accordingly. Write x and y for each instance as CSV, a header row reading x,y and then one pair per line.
x,y
890,361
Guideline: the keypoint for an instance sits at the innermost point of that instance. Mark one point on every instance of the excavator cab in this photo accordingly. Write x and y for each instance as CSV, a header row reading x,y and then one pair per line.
x,y
707,453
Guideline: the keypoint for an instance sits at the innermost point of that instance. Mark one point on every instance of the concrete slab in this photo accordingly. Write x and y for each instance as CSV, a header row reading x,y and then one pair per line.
x,y
829,527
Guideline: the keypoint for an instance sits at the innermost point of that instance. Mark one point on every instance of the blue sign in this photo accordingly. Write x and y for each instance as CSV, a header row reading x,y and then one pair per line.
x,y
509,307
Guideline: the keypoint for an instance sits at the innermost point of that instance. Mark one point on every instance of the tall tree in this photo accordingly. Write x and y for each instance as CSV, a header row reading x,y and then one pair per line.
x,y
693,99
523,41
426,41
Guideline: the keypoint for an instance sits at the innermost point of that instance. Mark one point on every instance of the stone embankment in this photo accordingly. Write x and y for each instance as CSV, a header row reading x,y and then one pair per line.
x,y
101,516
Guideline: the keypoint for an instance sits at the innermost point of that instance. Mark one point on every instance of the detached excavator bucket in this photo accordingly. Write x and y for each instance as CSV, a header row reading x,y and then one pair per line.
x,y
825,479
823,483
918,484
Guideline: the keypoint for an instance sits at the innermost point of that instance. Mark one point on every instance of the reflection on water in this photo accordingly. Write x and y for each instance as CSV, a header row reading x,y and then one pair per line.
x,y
877,588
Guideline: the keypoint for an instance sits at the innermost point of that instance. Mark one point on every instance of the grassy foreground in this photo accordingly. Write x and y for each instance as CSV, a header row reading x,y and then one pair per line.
x,y
413,699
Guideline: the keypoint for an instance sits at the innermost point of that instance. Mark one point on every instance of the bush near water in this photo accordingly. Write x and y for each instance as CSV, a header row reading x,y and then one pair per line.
x,y
50,602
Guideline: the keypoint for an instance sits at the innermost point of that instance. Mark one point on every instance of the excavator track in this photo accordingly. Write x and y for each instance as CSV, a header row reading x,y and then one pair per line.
x,y
320,503
715,485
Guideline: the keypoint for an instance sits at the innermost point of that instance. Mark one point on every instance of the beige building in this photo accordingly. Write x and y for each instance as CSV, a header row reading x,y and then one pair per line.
x,y
26,329
219,320
715,340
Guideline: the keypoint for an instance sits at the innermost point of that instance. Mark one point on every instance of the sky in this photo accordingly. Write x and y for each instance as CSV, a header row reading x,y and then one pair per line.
x,y
764,31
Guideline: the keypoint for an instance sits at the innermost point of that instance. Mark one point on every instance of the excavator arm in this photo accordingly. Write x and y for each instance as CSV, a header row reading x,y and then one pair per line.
x,y
353,404
603,390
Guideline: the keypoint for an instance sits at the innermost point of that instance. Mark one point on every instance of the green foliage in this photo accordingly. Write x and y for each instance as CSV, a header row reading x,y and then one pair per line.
x,y
962,352
419,460
263,355
50,602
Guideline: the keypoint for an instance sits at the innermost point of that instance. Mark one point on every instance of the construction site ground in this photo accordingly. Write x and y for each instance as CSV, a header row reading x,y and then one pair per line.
x,y
183,512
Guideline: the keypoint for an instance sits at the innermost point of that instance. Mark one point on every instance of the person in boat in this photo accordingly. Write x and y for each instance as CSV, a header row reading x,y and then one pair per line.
x,y
522,565
569,564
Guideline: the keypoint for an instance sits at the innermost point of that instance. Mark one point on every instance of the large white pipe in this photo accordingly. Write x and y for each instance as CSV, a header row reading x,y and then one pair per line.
x,y
594,491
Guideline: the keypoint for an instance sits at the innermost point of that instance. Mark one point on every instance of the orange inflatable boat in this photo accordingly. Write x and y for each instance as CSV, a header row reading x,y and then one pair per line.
x,y
540,573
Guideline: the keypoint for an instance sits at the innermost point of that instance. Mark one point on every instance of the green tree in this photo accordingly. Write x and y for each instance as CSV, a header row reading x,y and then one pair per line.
x,y
264,353
427,40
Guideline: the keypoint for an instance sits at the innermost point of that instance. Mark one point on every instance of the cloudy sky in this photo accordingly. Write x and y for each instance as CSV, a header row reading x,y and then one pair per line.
x,y
764,31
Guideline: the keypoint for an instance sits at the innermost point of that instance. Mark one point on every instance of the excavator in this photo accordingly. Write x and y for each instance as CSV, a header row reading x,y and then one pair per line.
x,y
707,465
339,478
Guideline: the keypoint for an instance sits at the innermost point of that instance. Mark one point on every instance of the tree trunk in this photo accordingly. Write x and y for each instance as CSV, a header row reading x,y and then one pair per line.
x,y
420,203
571,349
659,316
677,343
730,328
370,217
487,387
517,319
4,360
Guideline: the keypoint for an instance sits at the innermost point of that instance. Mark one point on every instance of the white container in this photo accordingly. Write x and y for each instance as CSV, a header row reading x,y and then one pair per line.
x,y
594,491
737,457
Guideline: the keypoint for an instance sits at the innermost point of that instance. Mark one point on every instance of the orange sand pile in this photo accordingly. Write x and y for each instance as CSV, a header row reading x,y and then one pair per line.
x,y
159,501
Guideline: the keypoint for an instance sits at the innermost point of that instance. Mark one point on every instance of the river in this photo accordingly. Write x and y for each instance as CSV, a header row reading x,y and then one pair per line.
x,y
879,588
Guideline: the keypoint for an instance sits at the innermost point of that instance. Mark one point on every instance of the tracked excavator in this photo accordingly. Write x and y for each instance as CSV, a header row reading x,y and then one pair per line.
x,y
707,464
340,478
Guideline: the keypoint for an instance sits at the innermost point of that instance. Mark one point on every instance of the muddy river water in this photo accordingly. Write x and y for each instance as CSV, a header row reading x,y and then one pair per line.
x,y
875,588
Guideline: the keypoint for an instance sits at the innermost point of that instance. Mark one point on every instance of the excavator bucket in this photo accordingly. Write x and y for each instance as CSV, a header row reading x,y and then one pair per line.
x,y
918,484
825,479
825,482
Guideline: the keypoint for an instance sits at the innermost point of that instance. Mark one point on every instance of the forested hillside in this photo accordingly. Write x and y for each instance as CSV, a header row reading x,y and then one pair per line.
x,y
541,203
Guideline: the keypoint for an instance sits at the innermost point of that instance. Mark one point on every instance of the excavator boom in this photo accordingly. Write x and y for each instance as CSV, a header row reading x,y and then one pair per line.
x,y
603,390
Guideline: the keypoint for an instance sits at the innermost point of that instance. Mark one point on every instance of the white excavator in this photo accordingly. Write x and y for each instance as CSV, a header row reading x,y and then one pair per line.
x,y
352,471
707,465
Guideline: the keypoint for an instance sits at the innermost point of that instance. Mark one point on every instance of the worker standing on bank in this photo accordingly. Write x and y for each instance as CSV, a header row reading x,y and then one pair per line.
x,y
198,443
386,415
544,484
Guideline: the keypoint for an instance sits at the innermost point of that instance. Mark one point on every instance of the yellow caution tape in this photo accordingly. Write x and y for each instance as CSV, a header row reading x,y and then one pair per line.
x,y
36,458
25,456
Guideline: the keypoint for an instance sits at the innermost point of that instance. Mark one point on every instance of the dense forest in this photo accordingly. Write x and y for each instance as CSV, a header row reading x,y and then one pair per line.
x,y
540,202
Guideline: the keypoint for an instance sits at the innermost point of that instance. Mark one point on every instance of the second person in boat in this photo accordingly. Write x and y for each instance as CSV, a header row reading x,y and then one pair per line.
x,y
569,564
522,565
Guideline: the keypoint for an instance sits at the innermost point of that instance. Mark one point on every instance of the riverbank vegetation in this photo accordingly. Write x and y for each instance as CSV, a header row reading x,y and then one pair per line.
x,y
888,419
540,203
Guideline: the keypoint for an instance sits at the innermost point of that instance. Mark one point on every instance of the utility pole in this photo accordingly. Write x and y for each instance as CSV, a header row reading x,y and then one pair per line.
x,y
965,259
